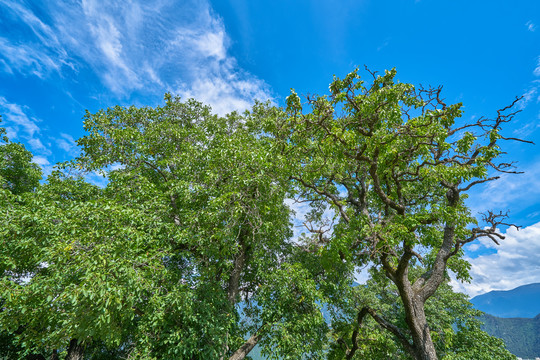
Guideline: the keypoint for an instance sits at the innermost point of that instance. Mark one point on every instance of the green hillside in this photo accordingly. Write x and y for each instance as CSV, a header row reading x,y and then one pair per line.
x,y
521,335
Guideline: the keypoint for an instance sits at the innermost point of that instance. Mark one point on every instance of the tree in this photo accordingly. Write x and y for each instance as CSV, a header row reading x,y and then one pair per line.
x,y
454,324
185,253
395,166
191,222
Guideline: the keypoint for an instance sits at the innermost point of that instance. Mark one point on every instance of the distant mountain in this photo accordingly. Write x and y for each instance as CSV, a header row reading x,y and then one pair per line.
x,y
521,335
521,302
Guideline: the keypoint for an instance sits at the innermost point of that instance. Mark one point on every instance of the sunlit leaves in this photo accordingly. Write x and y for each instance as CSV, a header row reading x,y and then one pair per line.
x,y
191,222
392,163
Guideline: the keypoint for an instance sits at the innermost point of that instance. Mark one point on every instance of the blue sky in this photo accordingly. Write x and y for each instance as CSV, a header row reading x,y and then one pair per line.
x,y
60,58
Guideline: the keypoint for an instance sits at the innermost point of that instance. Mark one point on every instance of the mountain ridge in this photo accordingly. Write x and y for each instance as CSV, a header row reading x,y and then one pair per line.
x,y
520,302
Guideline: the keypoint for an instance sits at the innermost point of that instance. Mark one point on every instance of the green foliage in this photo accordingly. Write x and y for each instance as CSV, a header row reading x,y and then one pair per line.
x,y
364,142
521,335
191,221
186,252
386,168
18,173
294,309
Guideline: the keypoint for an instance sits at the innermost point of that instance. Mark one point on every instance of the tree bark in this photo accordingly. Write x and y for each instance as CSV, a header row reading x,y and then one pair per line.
x,y
415,296
415,316
423,344
245,349
233,289
236,274
75,350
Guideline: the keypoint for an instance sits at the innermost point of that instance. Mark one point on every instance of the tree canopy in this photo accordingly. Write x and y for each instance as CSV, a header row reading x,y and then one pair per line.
x,y
187,251
395,166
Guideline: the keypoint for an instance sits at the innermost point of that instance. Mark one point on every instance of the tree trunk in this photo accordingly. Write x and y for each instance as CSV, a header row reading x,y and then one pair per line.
x,y
75,350
233,288
236,274
415,316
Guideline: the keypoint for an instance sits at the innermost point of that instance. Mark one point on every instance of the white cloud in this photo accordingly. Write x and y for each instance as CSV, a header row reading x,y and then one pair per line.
x,y
21,126
514,263
107,36
95,178
523,131
530,26
206,42
145,47
41,160
37,146
16,117
300,210
508,190
213,77
529,96
67,143
536,70
45,164
362,274
26,59
224,92
38,56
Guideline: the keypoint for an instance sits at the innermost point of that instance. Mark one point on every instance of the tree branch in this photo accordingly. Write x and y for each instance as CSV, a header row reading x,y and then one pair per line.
x,y
393,329
246,348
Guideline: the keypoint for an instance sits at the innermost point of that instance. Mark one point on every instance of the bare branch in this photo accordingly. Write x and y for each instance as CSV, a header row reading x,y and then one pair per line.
x,y
333,198
478,182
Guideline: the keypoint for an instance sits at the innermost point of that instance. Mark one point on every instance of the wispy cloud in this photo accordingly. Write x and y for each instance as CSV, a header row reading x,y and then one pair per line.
x,y
384,44
21,126
212,75
37,55
530,26
44,163
109,41
513,263
133,47
41,161
509,189
529,95
67,143
536,70
26,59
